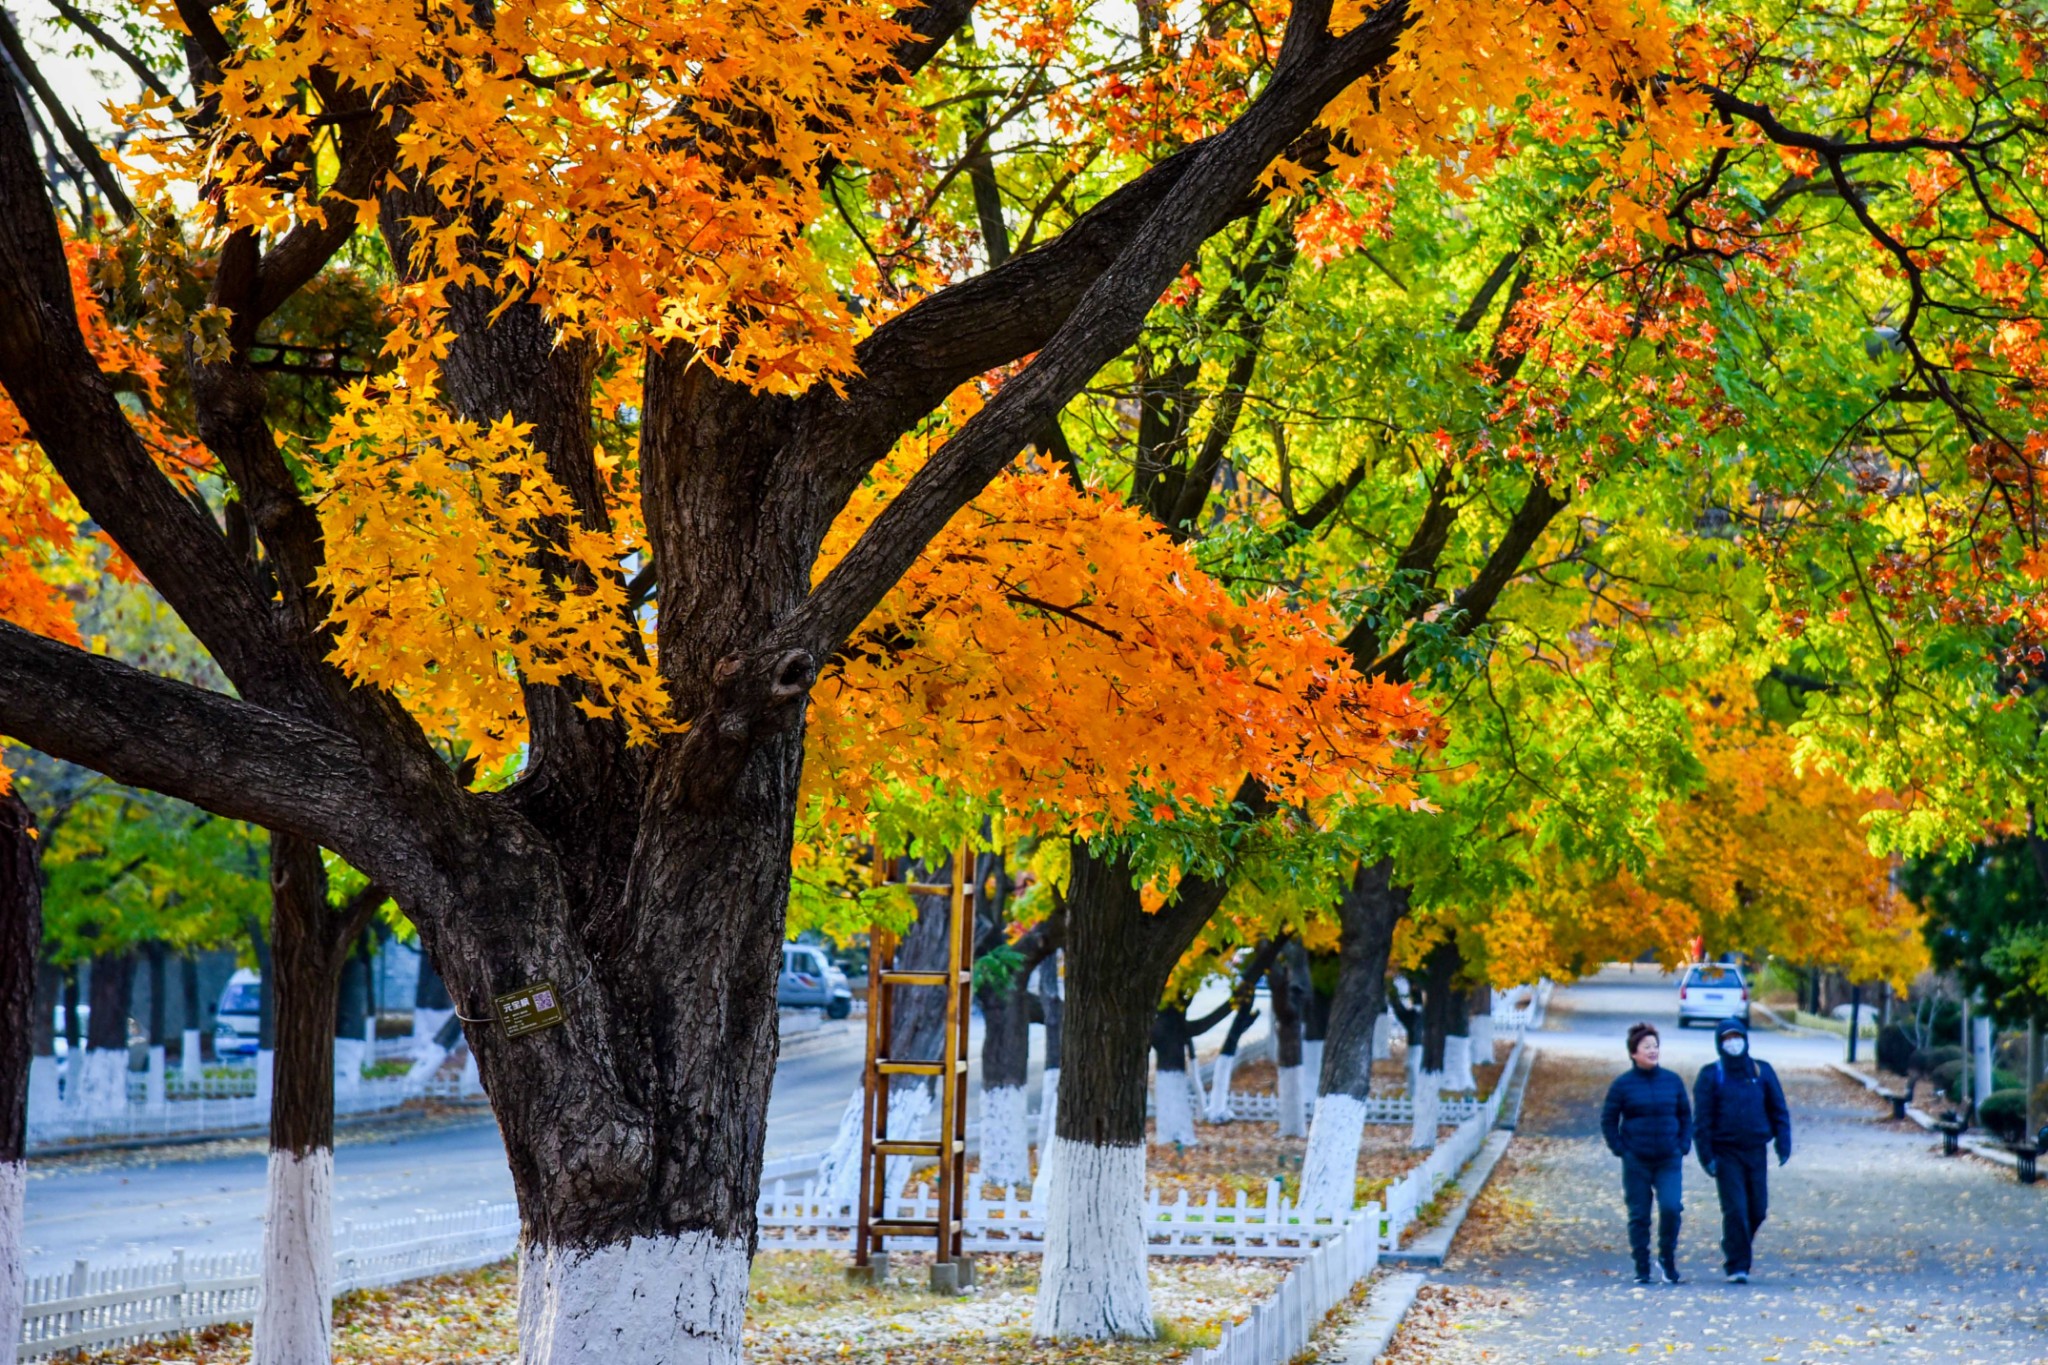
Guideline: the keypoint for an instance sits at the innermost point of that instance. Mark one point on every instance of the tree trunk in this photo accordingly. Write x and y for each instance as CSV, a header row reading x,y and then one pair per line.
x,y
917,1031
1173,1115
1371,909
1315,1019
1458,1078
1287,983
1052,1008
103,1081
44,1092
1093,1276
1481,1015
192,1046
1005,1068
294,1307
21,942
1439,974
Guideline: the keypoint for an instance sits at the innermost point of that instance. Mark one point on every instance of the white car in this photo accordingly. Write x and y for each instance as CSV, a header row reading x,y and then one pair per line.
x,y
1710,992
238,1022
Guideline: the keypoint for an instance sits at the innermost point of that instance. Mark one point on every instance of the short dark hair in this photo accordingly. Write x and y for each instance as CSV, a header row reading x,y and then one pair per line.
x,y
1638,1032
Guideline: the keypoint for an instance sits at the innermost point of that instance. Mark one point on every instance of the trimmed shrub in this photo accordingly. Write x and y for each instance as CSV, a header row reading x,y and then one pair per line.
x,y
1894,1049
2003,1114
1947,1079
1928,1060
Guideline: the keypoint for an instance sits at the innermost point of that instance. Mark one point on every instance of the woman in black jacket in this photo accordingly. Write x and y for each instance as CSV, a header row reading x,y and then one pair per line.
x,y
1647,1122
1742,1112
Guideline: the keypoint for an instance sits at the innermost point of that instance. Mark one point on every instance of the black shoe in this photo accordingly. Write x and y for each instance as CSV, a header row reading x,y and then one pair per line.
x,y
1671,1275
1738,1277
1643,1277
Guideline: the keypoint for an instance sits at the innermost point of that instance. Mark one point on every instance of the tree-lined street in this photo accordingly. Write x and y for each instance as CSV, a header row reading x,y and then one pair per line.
x,y
1877,1248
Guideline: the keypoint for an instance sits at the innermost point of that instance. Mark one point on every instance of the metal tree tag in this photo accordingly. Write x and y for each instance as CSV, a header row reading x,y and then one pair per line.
x,y
530,1009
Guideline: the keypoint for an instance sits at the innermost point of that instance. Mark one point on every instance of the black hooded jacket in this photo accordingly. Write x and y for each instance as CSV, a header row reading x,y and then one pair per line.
x,y
1738,1103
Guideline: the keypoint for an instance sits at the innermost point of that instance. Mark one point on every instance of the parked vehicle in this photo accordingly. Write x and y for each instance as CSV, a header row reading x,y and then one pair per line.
x,y
1710,992
810,982
238,1024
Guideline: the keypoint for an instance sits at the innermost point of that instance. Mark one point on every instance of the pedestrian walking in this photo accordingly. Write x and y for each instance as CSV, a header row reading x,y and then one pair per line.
x,y
1741,1114
1647,1122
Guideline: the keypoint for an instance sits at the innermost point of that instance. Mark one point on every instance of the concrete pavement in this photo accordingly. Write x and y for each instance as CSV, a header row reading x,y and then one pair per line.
x,y
1877,1248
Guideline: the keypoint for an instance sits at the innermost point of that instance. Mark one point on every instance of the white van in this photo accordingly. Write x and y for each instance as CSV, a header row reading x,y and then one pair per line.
x,y
238,1024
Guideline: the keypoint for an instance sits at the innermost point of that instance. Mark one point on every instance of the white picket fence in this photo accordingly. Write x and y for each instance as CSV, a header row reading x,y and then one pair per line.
x,y
1279,1328
98,1307
1255,1106
137,1122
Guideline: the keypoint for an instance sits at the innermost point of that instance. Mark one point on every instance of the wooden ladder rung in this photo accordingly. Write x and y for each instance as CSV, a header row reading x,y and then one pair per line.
x,y
906,1227
889,1068
893,977
916,1147
928,888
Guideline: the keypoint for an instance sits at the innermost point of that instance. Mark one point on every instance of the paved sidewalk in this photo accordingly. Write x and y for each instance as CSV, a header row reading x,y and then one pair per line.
x,y
1877,1248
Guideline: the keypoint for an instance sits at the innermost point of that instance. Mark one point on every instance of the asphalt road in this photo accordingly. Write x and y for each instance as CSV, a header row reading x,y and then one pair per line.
x,y
1877,1248
114,1206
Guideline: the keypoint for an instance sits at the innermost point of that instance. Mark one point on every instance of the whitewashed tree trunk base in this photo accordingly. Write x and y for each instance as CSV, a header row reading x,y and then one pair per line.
x,y
1383,1037
1005,1136
839,1170
1293,1103
1173,1109
45,1095
266,1064
909,1107
651,1301
153,1088
1092,1277
1312,1066
1428,1093
1219,1089
1482,1040
348,1065
13,1253
1458,1078
294,1305
100,1083
190,1064
1196,1096
1329,1169
1048,1110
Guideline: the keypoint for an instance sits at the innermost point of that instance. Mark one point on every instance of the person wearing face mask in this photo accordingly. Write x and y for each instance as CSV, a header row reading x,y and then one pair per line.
x,y
1741,1113
1647,1122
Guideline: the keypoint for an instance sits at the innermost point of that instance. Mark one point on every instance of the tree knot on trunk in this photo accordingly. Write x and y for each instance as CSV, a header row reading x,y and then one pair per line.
x,y
753,696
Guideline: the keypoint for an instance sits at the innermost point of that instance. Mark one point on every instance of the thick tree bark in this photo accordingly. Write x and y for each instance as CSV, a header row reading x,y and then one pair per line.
x,y
1093,1278
1173,1114
21,943
1371,909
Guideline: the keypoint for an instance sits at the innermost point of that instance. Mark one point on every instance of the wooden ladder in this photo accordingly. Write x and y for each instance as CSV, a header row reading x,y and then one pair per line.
x,y
951,1270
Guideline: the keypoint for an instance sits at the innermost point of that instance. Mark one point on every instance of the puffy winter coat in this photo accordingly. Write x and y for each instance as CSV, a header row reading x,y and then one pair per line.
x,y
1647,1115
1738,1102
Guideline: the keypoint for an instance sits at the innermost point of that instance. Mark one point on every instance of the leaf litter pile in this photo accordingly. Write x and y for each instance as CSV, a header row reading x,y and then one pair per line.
x,y
802,1311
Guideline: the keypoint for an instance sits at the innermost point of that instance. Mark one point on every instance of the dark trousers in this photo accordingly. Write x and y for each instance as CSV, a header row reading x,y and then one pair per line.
x,y
1639,1180
1743,1175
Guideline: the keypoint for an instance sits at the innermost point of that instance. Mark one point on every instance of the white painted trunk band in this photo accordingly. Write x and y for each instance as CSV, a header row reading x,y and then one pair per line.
x,y
1458,1078
1048,1110
1173,1108
295,1301
1428,1093
839,1170
13,1253
1293,1103
1329,1169
1482,1039
1219,1089
1312,1065
1005,1136
649,1301
1092,1277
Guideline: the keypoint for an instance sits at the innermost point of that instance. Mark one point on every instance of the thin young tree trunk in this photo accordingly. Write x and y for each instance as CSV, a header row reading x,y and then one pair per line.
x,y
1005,1068
1371,909
192,1045
44,1094
1286,980
1458,1078
21,942
103,1084
1315,1021
1052,1008
1173,1113
1440,971
1481,1016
